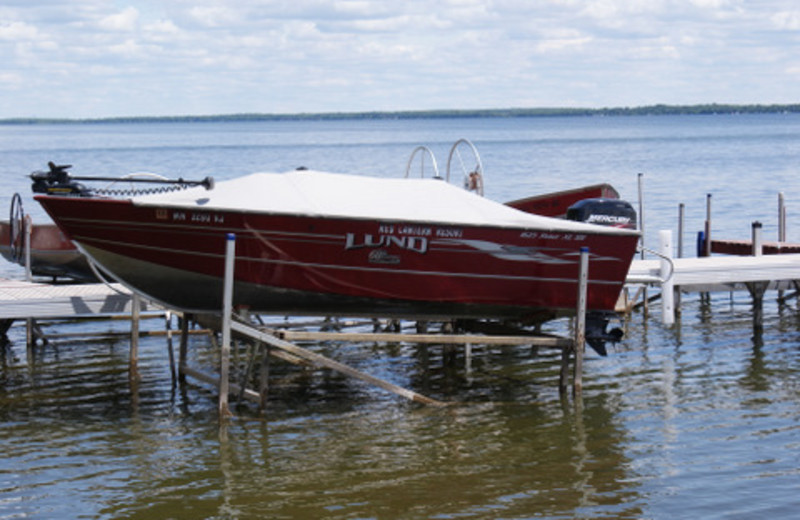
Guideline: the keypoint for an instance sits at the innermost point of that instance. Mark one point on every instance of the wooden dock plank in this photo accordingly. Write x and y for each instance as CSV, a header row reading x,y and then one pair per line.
x,y
451,339
323,361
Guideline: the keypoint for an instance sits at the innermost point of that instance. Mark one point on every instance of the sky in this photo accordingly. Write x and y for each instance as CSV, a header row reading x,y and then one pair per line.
x,y
115,58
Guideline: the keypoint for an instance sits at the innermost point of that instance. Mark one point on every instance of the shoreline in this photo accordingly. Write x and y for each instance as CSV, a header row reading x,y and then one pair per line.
x,y
650,110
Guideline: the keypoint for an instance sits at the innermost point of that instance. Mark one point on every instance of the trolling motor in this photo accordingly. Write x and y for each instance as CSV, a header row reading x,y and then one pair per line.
x,y
58,181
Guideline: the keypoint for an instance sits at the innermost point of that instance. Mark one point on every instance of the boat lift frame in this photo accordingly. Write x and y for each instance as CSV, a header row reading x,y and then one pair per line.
x,y
292,352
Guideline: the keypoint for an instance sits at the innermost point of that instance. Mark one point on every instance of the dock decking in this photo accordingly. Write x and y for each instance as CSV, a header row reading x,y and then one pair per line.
x,y
22,300
722,273
757,274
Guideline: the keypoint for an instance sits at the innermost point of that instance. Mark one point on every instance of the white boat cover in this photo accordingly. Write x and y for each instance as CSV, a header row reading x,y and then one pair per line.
x,y
321,194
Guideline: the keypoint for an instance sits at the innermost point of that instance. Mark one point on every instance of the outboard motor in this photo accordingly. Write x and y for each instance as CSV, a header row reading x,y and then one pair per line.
x,y
605,212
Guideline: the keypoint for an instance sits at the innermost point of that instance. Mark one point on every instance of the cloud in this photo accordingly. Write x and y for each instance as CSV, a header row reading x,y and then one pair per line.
x,y
211,56
787,20
11,80
16,31
125,20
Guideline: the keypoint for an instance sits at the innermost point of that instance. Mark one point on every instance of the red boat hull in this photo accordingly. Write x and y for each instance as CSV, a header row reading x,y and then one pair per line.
x,y
343,266
52,254
556,204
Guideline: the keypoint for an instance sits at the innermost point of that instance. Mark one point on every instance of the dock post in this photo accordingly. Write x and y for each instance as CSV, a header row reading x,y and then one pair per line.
x,y
707,235
27,232
580,322
681,218
563,376
134,357
170,351
640,186
227,310
183,347
781,228
29,322
758,241
668,285
263,378
757,289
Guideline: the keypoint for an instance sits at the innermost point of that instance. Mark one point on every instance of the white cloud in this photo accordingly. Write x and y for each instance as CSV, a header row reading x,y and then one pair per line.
x,y
11,79
16,31
215,16
787,20
124,20
163,31
317,55
559,40
129,48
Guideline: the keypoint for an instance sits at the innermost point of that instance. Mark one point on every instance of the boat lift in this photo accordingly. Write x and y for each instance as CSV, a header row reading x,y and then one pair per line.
x,y
295,353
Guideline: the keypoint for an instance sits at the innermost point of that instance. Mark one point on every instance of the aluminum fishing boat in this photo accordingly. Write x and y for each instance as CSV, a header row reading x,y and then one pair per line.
x,y
310,242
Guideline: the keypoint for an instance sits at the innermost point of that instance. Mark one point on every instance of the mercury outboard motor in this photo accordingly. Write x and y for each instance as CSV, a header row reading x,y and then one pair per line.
x,y
606,212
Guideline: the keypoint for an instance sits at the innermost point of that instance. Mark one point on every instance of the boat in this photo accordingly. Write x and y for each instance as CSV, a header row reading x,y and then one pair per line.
x,y
52,254
320,243
558,203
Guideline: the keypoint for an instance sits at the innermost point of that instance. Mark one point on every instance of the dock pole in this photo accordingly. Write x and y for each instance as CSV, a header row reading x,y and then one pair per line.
x,y
578,343
183,347
757,289
668,286
707,236
640,186
781,227
640,179
134,357
681,218
227,310
580,322
563,376
758,238
30,338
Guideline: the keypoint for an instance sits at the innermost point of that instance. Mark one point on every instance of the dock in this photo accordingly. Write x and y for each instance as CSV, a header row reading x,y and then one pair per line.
x,y
32,301
756,274
725,273
23,300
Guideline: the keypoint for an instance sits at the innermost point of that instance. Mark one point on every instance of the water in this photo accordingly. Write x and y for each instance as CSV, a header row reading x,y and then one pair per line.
x,y
701,420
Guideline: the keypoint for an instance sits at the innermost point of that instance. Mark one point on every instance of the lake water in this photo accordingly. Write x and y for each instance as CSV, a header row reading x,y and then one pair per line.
x,y
699,420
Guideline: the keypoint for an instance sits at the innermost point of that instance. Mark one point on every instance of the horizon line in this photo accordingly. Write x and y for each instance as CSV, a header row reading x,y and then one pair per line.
x,y
658,109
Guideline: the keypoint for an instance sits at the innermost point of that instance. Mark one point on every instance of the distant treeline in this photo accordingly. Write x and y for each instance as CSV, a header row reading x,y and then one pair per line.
x,y
652,110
